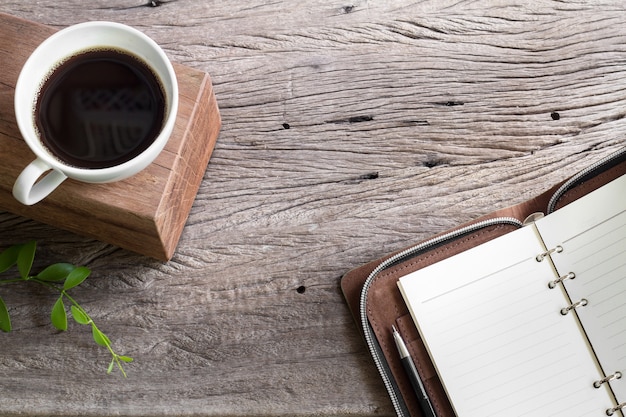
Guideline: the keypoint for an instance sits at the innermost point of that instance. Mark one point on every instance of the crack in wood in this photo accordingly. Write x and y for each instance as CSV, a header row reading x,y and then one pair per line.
x,y
450,103
351,120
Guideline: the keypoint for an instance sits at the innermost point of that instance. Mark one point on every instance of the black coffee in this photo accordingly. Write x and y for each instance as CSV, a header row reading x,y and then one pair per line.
x,y
100,108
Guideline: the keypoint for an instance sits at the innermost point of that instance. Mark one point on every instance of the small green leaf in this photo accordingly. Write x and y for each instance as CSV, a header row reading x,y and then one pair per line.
x,y
59,315
110,368
99,337
25,258
126,359
8,257
56,272
5,319
76,277
79,316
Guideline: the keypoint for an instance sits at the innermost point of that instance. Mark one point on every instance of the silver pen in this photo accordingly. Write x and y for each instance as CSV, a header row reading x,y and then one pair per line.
x,y
411,370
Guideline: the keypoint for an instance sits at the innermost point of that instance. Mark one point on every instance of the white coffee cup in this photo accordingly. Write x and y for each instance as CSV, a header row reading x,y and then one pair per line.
x,y
48,171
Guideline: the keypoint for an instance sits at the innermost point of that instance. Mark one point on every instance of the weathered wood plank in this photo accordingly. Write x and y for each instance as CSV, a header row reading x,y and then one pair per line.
x,y
350,129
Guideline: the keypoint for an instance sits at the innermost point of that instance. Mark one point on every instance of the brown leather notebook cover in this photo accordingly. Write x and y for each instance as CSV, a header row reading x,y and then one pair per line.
x,y
384,305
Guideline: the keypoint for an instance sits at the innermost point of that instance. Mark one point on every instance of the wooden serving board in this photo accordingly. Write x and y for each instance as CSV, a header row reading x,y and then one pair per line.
x,y
145,213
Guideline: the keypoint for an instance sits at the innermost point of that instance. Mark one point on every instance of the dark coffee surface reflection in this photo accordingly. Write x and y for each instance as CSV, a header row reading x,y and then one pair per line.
x,y
99,109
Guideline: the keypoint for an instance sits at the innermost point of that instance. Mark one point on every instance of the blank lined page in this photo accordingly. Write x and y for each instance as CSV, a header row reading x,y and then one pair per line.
x,y
496,336
592,232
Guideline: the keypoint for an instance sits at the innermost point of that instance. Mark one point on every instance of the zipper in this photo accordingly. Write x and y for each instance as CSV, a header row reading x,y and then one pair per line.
x,y
370,339
602,165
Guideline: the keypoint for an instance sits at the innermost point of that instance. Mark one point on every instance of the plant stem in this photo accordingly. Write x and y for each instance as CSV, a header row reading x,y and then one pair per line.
x,y
104,340
11,281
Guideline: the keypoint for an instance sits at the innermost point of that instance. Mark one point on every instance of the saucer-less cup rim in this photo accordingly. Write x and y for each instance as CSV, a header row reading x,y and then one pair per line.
x,y
42,62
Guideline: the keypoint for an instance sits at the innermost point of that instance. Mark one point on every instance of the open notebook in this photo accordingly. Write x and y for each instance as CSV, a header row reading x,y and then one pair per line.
x,y
533,323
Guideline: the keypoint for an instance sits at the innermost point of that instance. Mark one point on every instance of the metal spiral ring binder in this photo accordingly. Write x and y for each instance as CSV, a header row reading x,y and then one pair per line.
x,y
553,284
616,375
580,303
611,411
543,255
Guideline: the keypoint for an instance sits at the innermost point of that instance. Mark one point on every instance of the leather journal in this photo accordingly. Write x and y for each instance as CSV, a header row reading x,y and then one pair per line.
x,y
442,296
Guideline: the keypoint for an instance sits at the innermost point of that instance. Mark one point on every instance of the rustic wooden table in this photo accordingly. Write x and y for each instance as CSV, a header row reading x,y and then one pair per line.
x,y
350,129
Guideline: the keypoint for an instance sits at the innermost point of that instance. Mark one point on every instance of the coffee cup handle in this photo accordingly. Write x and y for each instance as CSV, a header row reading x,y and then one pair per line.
x,y
29,189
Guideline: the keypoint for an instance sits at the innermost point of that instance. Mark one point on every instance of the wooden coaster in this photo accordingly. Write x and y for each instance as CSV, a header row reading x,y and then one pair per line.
x,y
145,213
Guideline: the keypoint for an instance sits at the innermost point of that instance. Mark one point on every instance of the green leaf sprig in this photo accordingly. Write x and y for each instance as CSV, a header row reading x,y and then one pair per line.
x,y
60,277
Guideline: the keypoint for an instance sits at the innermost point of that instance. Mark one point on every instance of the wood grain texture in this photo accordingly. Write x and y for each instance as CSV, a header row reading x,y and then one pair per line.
x,y
350,129
145,213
